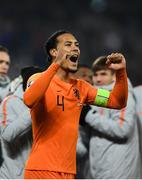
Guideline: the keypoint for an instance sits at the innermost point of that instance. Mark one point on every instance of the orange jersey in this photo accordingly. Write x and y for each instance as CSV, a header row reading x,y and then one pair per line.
x,y
55,125
55,110
34,174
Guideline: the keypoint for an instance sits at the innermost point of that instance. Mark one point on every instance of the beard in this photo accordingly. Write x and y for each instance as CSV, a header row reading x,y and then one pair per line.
x,y
70,70
73,70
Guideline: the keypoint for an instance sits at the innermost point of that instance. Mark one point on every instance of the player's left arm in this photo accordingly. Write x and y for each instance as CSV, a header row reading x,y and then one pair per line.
x,y
117,98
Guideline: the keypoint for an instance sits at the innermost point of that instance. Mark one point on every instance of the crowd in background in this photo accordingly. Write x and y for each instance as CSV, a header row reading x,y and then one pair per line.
x,y
105,150
109,142
102,27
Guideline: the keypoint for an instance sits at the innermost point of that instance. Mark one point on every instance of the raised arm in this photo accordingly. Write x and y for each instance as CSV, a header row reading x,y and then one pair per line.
x,y
117,98
38,85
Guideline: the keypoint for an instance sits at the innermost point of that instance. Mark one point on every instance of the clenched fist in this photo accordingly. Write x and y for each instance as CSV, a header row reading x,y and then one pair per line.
x,y
116,61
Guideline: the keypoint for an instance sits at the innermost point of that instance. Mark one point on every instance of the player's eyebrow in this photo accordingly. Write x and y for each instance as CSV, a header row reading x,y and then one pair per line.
x,y
69,42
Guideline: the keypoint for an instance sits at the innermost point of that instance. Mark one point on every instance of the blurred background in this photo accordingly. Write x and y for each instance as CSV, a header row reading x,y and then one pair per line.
x,y
101,26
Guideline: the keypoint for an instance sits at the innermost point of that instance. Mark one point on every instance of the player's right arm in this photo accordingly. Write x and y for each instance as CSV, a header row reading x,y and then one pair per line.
x,y
38,84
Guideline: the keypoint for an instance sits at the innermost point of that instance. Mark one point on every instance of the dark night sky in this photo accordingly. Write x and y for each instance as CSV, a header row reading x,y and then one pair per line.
x,y
101,26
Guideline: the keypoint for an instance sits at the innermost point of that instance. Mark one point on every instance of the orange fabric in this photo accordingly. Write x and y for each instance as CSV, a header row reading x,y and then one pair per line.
x,y
119,94
39,89
4,109
122,114
30,174
55,122
55,110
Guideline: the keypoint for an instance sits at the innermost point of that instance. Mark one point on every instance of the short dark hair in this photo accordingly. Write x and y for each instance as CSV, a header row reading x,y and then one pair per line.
x,y
100,64
52,42
4,49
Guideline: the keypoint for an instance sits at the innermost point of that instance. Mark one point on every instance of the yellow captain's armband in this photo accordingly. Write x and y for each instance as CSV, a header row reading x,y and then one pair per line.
x,y
102,97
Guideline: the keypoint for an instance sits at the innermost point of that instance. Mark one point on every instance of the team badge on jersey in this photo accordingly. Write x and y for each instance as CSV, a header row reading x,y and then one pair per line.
x,y
76,93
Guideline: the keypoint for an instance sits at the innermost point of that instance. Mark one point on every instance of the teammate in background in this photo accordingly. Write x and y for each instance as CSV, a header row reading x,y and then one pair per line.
x,y
4,67
84,72
4,79
56,101
138,97
6,87
114,146
16,131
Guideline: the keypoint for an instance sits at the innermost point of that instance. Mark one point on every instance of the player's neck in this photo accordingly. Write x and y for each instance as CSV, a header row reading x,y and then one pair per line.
x,y
63,75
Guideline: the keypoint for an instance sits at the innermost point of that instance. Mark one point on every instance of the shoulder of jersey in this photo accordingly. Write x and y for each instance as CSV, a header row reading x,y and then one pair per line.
x,y
32,79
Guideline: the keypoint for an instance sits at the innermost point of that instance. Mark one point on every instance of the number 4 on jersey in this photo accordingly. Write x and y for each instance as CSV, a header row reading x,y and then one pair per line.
x,y
60,101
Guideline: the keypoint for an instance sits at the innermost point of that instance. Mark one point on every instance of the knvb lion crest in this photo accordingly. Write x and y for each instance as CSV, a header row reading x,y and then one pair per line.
x,y
76,93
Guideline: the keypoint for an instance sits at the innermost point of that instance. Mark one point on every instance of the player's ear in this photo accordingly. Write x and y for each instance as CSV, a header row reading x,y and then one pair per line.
x,y
53,52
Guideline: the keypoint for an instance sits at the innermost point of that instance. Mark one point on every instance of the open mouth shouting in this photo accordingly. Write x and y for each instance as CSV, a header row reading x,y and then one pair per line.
x,y
73,58
73,62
